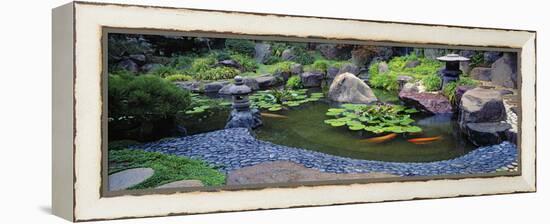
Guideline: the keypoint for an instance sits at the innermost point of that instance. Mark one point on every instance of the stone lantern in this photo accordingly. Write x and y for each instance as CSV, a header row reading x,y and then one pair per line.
x,y
451,72
242,116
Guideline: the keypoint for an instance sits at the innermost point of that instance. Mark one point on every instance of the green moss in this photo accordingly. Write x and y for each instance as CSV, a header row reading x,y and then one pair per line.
x,y
168,168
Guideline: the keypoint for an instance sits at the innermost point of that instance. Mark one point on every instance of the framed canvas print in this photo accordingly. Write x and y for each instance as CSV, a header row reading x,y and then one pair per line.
x,y
161,111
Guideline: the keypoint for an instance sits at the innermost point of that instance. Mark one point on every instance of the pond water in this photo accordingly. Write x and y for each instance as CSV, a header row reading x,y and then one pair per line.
x,y
303,127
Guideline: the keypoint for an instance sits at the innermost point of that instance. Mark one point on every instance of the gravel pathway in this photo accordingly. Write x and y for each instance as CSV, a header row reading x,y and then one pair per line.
x,y
235,148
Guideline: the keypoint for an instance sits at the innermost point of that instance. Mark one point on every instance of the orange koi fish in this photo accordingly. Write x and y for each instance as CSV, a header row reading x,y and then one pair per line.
x,y
380,139
273,115
424,140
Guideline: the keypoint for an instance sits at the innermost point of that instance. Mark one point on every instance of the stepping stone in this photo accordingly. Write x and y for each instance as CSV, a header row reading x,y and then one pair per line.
x,y
182,183
128,178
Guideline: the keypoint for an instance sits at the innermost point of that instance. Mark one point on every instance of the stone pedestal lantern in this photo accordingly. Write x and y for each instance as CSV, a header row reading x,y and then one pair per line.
x,y
451,72
242,116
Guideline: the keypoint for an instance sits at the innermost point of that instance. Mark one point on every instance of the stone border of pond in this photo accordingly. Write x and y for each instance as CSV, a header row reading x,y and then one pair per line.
x,y
235,148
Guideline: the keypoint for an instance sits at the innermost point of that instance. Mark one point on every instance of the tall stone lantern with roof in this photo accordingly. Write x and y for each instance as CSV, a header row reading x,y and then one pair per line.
x,y
451,72
242,116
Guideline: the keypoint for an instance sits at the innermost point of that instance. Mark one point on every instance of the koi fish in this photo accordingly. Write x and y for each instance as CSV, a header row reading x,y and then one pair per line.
x,y
424,140
380,139
273,115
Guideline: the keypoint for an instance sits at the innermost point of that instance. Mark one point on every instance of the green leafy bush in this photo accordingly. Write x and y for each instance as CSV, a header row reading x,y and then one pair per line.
x,y
144,98
432,82
143,107
164,71
387,81
426,71
183,61
320,65
373,118
202,64
284,66
217,73
294,82
302,56
449,90
178,77
240,46
247,62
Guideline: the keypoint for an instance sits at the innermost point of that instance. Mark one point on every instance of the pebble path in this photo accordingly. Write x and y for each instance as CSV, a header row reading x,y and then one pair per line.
x,y
235,148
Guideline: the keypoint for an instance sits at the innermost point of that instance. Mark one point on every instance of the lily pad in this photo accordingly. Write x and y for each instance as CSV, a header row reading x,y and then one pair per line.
x,y
357,127
338,123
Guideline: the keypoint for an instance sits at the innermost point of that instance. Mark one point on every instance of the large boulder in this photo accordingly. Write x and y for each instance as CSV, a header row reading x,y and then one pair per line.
x,y
347,88
481,105
311,79
214,87
150,67
481,73
383,67
491,56
332,72
250,82
334,51
296,69
231,63
430,103
140,59
503,71
487,133
129,65
288,55
349,68
193,86
412,64
459,92
266,81
262,52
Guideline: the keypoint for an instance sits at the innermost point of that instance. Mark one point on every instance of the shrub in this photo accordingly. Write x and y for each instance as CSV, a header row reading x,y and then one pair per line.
x,y
294,82
449,90
217,73
178,77
202,64
302,56
247,62
145,98
183,61
320,65
164,71
432,82
284,66
386,81
240,46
